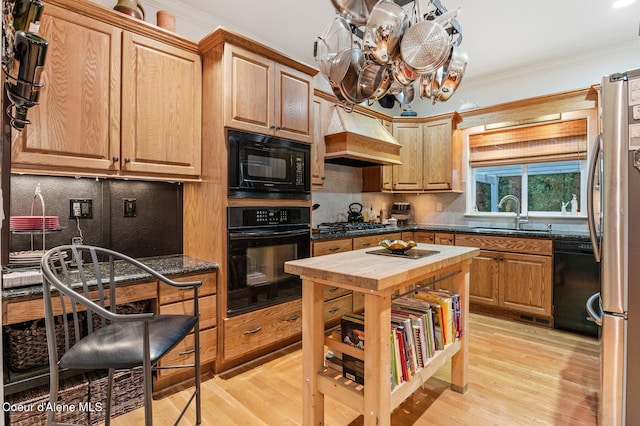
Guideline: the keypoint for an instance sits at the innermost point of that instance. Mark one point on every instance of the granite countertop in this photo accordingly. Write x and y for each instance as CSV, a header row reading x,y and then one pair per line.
x,y
529,233
171,265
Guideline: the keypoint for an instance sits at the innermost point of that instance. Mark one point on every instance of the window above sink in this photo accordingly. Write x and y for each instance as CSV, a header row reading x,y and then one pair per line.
x,y
541,163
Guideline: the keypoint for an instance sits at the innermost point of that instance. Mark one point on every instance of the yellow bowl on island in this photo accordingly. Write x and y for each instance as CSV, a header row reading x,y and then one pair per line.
x,y
397,246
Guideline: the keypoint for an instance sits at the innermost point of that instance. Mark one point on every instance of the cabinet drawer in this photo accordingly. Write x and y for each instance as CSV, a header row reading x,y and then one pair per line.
x,y
373,240
508,244
169,294
407,235
331,292
321,248
206,305
337,307
426,237
183,353
249,332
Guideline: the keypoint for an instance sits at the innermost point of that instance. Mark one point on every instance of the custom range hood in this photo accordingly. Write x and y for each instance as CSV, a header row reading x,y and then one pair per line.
x,y
356,140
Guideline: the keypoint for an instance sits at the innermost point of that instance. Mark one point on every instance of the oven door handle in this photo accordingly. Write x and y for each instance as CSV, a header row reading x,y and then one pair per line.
x,y
243,235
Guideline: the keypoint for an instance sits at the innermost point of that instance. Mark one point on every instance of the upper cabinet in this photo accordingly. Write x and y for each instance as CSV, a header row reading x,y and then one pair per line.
x,y
114,102
408,175
161,108
430,155
265,96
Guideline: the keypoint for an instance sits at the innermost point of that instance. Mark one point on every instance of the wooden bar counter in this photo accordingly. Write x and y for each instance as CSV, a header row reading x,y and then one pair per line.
x,y
380,278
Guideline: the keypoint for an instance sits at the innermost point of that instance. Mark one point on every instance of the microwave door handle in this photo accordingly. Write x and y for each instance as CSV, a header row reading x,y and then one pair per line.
x,y
591,217
266,234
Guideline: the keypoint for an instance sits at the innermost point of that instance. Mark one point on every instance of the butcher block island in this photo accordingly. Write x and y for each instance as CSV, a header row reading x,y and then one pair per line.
x,y
381,278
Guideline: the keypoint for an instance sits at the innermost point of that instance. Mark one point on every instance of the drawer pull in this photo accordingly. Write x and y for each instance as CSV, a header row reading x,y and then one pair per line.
x,y
292,318
333,289
190,351
366,244
254,331
334,248
334,310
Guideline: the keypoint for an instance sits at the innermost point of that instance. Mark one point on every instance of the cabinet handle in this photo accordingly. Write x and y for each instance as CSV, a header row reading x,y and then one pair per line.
x,y
323,178
115,158
190,351
334,310
127,159
273,126
450,239
430,238
366,244
495,257
254,331
332,289
501,258
334,248
292,318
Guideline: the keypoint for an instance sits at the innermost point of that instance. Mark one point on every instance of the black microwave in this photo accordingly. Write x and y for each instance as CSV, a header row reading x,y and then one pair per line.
x,y
262,166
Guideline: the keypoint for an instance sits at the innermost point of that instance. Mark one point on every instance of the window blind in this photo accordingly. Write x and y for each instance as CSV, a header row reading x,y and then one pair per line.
x,y
560,141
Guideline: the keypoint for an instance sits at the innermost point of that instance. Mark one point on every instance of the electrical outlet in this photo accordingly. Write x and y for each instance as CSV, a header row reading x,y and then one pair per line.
x,y
129,209
80,208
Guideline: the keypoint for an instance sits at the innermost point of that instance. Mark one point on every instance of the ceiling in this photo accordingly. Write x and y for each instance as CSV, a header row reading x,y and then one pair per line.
x,y
499,35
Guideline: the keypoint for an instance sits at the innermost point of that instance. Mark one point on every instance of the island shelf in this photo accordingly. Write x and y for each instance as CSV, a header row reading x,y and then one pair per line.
x,y
380,279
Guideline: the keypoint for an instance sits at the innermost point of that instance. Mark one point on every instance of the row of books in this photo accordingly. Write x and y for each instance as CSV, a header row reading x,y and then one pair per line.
x,y
421,324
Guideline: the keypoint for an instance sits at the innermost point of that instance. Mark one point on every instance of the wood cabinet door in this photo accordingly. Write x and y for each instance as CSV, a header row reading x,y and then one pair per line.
x,y
293,117
76,125
161,108
437,155
248,90
483,278
408,175
526,283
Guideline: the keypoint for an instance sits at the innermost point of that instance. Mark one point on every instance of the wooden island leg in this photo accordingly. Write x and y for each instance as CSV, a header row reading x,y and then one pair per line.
x,y
312,352
377,360
459,361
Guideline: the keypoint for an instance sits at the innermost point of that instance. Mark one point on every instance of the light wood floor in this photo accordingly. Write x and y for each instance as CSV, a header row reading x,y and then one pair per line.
x,y
519,374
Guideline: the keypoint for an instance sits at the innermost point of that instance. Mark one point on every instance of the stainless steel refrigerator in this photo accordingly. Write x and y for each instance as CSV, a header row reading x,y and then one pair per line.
x,y
615,168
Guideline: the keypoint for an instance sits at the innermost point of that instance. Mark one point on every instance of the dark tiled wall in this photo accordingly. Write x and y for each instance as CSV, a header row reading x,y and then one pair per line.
x,y
156,229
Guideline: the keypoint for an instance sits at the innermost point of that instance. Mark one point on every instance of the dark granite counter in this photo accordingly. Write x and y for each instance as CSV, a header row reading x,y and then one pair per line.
x,y
528,233
171,265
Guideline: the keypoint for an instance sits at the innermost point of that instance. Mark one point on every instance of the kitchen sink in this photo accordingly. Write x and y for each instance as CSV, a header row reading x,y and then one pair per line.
x,y
509,230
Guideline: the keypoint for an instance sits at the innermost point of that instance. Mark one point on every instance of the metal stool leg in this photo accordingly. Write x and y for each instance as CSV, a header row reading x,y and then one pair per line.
x,y
107,419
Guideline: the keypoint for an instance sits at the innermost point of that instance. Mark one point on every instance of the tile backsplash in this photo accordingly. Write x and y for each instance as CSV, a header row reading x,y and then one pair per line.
x,y
156,228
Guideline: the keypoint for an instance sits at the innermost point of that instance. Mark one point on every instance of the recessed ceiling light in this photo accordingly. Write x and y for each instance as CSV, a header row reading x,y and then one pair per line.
x,y
617,4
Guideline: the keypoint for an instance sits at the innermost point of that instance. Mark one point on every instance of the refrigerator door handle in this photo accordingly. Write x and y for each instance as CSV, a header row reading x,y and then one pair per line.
x,y
593,166
593,315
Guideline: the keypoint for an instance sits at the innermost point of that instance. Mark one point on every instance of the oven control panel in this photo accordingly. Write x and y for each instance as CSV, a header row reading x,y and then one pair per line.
x,y
242,217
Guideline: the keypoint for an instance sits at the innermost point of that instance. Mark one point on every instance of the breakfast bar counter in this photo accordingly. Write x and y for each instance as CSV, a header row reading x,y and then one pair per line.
x,y
380,278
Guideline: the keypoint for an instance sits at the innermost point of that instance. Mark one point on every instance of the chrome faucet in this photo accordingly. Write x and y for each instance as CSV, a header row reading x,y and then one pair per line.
x,y
519,219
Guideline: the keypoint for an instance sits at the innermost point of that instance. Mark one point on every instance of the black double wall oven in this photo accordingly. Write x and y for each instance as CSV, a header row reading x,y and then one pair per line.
x,y
262,237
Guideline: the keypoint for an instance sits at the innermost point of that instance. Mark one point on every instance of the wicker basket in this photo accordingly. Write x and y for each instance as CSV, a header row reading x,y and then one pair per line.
x,y
125,308
26,343
73,397
128,394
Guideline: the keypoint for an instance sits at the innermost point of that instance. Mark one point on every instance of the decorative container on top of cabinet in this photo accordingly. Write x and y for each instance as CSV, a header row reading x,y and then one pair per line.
x,y
103,109
267,97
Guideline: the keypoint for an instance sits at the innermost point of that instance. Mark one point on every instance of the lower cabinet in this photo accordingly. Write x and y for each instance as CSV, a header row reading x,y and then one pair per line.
x,y
513,274
256,330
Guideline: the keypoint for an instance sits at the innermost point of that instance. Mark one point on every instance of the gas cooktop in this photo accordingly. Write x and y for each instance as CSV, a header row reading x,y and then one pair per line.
x,y
342,227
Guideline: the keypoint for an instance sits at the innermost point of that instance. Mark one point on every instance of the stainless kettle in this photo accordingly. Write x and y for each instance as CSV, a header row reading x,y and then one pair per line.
x,y
355,213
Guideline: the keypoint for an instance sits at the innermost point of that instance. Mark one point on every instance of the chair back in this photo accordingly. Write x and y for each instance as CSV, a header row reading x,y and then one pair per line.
x,y
81,298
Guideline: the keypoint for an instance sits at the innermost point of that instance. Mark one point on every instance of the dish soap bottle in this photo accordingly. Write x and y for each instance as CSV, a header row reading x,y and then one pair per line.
x,y
574,204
